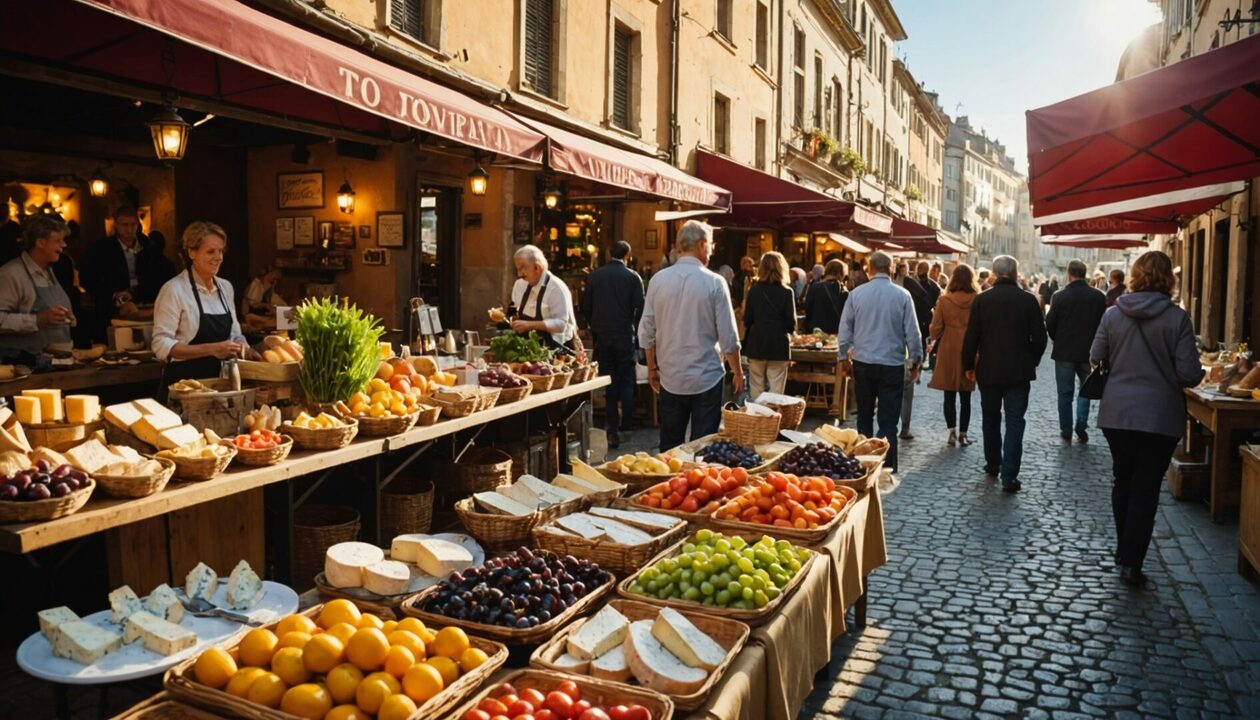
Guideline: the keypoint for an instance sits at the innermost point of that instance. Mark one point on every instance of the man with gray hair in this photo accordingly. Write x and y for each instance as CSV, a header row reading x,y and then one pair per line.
x,y
1075,312
1005,340
879,339
687,329
541,302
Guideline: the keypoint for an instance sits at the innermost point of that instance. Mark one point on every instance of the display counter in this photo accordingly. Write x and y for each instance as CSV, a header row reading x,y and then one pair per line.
x,y
1222,415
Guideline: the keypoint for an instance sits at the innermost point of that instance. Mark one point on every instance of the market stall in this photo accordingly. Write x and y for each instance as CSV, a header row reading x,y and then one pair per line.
x,y
1222,416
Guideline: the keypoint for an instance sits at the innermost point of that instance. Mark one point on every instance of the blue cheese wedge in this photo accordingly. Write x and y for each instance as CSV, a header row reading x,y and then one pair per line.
x,y
123,603
611,666
603,632
243,587
654,666
686,641
201,582
158,635
53,618
83,642
163,603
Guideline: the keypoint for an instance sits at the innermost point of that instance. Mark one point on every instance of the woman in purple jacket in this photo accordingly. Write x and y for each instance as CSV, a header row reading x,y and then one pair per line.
x,y
1148,344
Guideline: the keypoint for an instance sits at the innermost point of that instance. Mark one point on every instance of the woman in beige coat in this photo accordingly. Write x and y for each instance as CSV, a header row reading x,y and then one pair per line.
x,y
949,326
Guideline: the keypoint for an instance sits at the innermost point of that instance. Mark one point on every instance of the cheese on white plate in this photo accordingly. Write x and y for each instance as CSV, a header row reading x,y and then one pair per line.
x,y
440,558
344,563
570,664
548,492
580,524
611,665
500,504
637,518
123,603
387,577
656,667
406,548
158,635
686,641
84,642
201,582
604,631
163,603
619,532
243,587
52,618
520,493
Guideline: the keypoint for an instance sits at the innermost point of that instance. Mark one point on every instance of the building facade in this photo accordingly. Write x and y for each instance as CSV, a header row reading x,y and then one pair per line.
x,y
925,152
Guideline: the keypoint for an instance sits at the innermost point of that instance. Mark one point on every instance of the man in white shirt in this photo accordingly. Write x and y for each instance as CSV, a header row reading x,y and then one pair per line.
x,y
687,329
542,301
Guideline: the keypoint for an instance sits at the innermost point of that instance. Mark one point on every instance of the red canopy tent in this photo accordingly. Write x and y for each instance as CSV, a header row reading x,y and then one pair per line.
x,y
1156,214
1186,125
1101,242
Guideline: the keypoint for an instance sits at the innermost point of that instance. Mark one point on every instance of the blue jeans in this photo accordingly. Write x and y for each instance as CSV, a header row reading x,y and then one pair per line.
x,y
702,410
1004,454
1066,375
615,354
883,384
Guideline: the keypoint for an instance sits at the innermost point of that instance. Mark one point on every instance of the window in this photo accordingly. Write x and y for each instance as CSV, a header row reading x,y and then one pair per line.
x,y
950,194
759,143
798,78
721,124
837,116
883,60
540,52
818,93
417,19
622,80
724,19
763,36
951,219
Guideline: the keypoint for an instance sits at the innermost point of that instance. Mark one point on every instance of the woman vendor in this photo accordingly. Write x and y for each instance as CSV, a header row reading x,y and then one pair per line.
x,y
542,302
194,323
34,307
261,297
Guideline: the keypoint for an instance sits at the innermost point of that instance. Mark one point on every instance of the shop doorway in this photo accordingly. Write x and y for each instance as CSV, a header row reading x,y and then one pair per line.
x,y
436,259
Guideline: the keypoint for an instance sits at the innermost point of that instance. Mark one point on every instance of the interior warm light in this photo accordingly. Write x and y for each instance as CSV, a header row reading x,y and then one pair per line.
x,y
98,186
478,180
345,198
170,134
551,197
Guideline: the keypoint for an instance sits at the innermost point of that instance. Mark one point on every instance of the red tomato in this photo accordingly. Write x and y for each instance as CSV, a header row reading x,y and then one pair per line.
x,y
504,689
560,703
524,716
476,715
508,700
547,715
638,712
618,712
533,697
580,707
594,714
520,707
492,706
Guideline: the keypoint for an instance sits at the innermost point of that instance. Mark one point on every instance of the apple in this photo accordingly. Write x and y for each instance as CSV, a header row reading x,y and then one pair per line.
x,y
384,371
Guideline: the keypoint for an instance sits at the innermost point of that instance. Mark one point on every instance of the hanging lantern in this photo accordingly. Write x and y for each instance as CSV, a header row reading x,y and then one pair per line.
x,y
98,186
478,180
551,197
170,134
345,198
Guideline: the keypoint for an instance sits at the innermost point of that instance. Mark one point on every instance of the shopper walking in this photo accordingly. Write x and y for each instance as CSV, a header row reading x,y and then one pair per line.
x,y
687,330
919,295
1147,343
1005,340
825,301
612,304
769,319
1117,286
1075,312
879,339
948,328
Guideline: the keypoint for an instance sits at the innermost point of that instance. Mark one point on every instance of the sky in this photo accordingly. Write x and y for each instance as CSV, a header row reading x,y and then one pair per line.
x,y
999,58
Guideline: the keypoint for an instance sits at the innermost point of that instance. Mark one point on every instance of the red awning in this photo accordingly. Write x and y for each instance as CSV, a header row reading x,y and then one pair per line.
x,y
584,157
226,51
1164,213
762,200
921,238
1102,242
1185,125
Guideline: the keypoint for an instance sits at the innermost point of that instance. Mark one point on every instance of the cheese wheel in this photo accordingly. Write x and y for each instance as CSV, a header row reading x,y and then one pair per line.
x,y
570,664
387,577
611,665
657,668
345,562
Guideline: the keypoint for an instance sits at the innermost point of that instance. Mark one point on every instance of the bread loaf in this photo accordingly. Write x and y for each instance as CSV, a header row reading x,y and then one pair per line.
x,y
1251,380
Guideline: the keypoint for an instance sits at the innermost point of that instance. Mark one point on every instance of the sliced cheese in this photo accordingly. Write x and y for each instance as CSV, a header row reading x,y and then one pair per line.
x,y
637,518
686,641
387,577
53,618
580,524
547,492
656,667
163,603
500,504
406,548
576,484
591,475
620,533
91,456
5,412
13,438
126,453
50,406
29,409
243,587
158,635
201,582
84,642
440,558
122,415
123,603
611,665
177,437
83,409
165,417
568,663
344,563
604,631
523,495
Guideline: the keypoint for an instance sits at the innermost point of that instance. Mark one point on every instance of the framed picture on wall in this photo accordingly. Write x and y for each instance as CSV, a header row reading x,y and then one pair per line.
x,y
649,239
390,230
522,224
304,231
325,233
343,234
284,233
365,232
296,190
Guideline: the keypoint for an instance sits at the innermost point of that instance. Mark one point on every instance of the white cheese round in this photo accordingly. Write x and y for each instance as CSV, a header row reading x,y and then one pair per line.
x,y
387,577
344,563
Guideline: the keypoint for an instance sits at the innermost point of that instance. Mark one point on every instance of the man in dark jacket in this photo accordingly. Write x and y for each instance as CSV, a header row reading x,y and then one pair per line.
x,y
612,304
1117,286
1075,312
112,270
1009,335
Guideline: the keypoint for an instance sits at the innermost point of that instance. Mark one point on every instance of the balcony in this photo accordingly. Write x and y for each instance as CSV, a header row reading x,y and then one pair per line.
x,y
807,163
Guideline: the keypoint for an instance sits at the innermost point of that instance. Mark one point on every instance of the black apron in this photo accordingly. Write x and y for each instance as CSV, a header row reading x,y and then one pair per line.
x,y
523,314
211,328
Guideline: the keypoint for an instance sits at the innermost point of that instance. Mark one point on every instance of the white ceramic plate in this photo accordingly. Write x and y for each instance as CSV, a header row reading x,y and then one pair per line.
x,y
134,661
20,372
419,580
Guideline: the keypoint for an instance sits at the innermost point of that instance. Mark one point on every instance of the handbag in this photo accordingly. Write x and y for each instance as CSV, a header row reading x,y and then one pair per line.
x,y
1096,381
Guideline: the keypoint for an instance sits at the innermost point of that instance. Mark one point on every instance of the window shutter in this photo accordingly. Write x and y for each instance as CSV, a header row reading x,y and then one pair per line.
x,y
621,78
538,45
407,16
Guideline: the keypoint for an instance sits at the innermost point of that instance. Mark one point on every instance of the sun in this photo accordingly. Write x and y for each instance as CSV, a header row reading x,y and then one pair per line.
x,y
1113,24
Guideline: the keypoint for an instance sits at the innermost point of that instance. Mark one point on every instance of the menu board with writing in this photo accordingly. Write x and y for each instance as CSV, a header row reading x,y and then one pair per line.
x,y
284,233
434,320
304,230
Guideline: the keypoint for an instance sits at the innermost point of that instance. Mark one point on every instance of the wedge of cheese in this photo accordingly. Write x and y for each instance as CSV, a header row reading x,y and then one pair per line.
x,y
500,504
53,618
585,472
570,664
50,406
5,413
576,484
123,603
122,415
91,456
637,518
201,582
243,587
387,577
29,409
686,641
345,562
654,666
604,631
620,533
440,558
547,492
580,524
84,642
611,665
158,635
13,438
126,453
406,548
149,406
523,495
163,603
83,409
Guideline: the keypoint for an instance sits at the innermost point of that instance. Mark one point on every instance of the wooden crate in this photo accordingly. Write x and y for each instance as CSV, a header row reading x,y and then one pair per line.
x,y
1249,513
1188,478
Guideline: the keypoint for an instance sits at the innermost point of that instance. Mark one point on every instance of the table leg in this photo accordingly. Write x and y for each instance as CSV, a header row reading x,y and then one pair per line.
x,y
61,696
1219,481
859,610
836,393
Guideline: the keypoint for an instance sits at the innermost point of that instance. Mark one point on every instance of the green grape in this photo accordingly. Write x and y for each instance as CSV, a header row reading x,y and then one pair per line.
x,y
684,586
707,601
649,574
779,580
684,561
669,565
704,535
738,542
722,545
802,554
745,565
707,588
723,597
698,576
758,583
740,604
685,576
734,587
793,566
636,588
775,569
745,581
783,545
721,562
722,579
653,586
747,593
773,592
760,599
691,593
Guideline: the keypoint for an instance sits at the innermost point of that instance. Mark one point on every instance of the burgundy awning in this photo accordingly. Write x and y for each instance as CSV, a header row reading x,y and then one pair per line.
x,y
1185,125
762,200
1102,242
920,238
229,52
1164,213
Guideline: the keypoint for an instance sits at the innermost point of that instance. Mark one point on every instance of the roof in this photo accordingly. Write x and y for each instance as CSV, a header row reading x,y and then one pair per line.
x,y
888,16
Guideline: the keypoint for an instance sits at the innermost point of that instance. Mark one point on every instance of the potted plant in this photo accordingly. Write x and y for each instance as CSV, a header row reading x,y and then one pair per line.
x,y
913,192
342,349
818,144
848,160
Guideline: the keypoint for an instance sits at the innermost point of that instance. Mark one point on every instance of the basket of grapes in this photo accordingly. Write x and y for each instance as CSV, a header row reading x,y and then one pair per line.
x,y
512,387
723,450
822,459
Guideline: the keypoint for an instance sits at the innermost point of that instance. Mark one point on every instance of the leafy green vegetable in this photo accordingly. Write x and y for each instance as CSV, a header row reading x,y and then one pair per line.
x,y
340,346
510,347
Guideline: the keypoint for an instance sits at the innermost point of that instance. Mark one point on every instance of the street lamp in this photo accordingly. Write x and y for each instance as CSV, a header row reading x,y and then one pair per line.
x,y
551,197
170,134
478,179
98,186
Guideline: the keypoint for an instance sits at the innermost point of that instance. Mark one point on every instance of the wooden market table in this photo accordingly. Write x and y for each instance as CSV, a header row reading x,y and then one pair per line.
x,y
1222,415
1249,513
820,370
91,376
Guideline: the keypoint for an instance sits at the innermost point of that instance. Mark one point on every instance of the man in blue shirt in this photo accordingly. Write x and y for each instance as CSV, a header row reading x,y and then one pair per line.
x,y
687,330
879,334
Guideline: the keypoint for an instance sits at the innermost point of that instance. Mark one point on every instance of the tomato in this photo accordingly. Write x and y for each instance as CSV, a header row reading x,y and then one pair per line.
x,y
580,707
618,712
520,707
638,712
547,715
524,716
594,714
504,689
570,688
477,715
560,703
533,697
492,706
508,700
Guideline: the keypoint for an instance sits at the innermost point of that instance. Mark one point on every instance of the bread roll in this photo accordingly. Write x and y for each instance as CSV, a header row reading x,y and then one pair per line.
x,y
1251,380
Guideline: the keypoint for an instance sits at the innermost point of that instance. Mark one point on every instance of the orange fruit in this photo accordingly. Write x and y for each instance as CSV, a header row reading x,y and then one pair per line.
x,y
347,712
342,631
267,690
410,641
373,691
308,701
450,642
396,707
287,663
257,647
398,660
339,611
368,620
323,653
472,658
389,627
411,625
294,639
240,682
367,649
291,623
447,667
422,682
214,667
343,681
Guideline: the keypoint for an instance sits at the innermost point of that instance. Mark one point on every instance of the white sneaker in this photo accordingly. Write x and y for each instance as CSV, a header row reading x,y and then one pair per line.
x,y
888,482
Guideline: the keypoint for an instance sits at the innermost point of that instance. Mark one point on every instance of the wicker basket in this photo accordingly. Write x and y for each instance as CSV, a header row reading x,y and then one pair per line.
x,y
619,559
506,635
748,429
315,529
872,446
598,692
322,438
489,398
484,399
60,436
799,536
511,395
562,379
427,414
482,468
407,507
264,457
386,426
506,532
791,414
21,511
134,487
200,469
731,635
267,371
165,706
541,383
580,374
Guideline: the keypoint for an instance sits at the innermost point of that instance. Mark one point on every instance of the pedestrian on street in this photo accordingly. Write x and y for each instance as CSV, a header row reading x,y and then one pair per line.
x,y
924,309
857,277
1148,345
1117,286
687,330
923,316
984,279
1075,312
612,304
825,303
1005,340
744,279
770,318
1044,294
948,328
798,284
879,338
